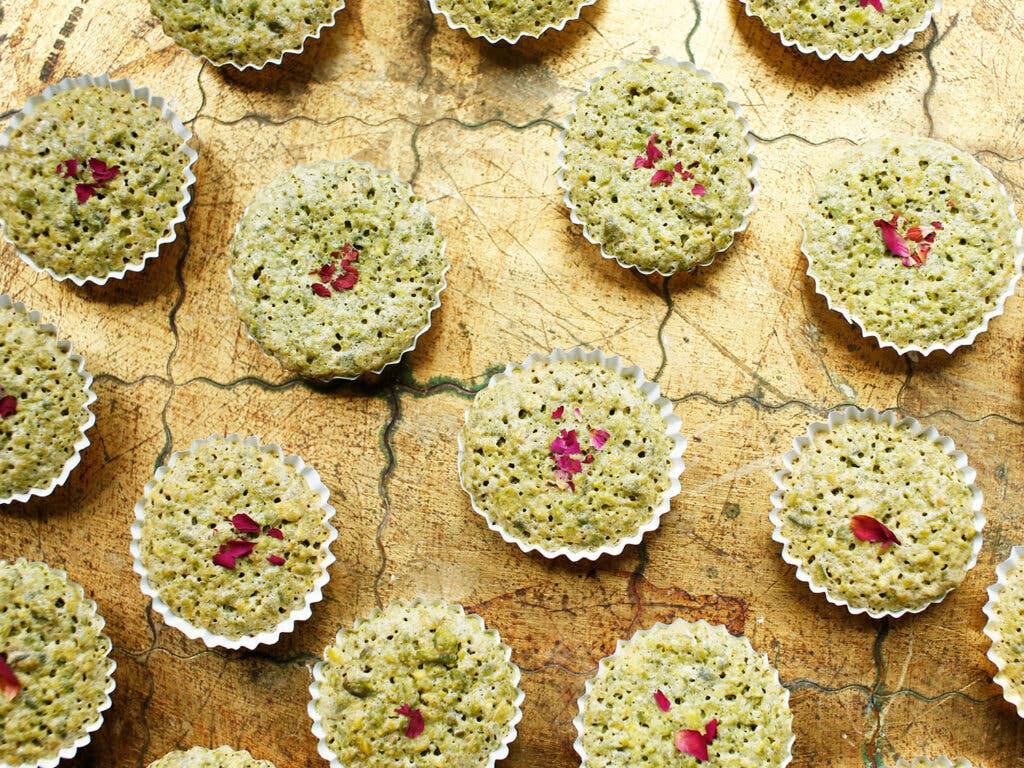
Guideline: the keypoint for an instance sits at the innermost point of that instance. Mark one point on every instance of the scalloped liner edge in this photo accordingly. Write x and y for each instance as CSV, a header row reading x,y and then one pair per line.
x,y
1013,695
314,689
268,637
673,425
755,164
165,106
853,413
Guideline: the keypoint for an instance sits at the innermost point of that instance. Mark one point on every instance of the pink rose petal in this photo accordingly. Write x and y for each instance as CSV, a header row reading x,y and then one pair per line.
x,y
661,177
698,190
8,405
692,743
662,701
326,272
711,731
893,240
558,412
653,153
238,548
101,172
347,280
224,560
866,528
642,162
275,560
415,725
84,192
578,412
245,524
598,437
68,168
275,533
9,684
876,4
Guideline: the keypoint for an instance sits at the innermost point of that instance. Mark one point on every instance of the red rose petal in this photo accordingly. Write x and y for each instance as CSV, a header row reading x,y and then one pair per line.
x,y
238,548
569,464
866,528
662,700
922,252
876,4
558,412
68,168
588,459
8,406
661,177
102,172
711,731
415,725
692,743
350,253
245,524
893,240
224,559
698,190
326,273
321,290
642,162
275,560
9,685
275,533
84,192
653,153
915,234
936,225
598,437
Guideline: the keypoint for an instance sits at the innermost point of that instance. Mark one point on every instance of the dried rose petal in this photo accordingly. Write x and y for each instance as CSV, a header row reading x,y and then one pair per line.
x,y
275,533
415,725
662,700
245,524
558,412
569,464
563,480
8,405
68,168
349,252
102,172
930,237
578,412
238,548
922,252
224,560
275,560
876,4
653,153
661,177
915,234
84,192
326,272
588,459
678,168
698,190
893,240
598,437
567,443
345,281
642,162
321,290
711,731
866,528
936,225
692,743
9,684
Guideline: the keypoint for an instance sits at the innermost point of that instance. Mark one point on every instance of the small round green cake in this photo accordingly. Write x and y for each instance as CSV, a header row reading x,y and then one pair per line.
x,y
91,182
44,406
566,456
508,19
953,221
656,166
421,684
203,757
684,694
243,32
55,670
849,28
1005,628
880,519
336,268
212,567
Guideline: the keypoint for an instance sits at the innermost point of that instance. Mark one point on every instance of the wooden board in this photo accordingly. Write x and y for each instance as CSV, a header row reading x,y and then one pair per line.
x,y
745,348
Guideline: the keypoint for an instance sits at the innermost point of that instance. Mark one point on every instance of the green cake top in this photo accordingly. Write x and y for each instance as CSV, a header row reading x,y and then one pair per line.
x,y
203,757
243,32
1006,628
232,537
844,27
43,405
509,19
684,695
55,674
566,455
420,683
914,240
336,268
880,518
91,182
656,166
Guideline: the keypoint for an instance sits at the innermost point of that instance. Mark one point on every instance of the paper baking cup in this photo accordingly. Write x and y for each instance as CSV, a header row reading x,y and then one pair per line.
x,y
906,39
852,413
755,164
68,752
672,429
1011,692
318,677
620,644
90,397
267,637
430,312
166,109
557,26
934,762
948,347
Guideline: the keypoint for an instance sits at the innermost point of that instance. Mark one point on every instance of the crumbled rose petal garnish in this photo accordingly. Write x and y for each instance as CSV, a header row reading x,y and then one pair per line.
x,y
569,464
321,290
415,725
588,459
651,154
698,190
563,481
275,560
345,281
900,245
102,172
9,684
275,533
239,548
694,743
325,273
598,437
711,731
84,191
876,4
224,560
893,240
662,700
68,168
915,234
661,177
578,412
558,412
866,528
936,225
245,524
341,276
8,405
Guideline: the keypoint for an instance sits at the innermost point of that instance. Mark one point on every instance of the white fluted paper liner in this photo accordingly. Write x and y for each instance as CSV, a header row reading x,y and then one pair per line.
x,y
68,752
166,109
852,413
315,595
870,55
620,644
755,165
1013,694
90,397
672,429
948,347
318,676
534,34
430,312
934,762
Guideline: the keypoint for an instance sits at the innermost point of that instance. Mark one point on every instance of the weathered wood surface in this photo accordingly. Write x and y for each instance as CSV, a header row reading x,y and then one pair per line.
x,y
745,348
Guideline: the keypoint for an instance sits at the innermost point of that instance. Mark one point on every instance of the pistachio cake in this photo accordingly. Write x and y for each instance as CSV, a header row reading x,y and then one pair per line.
x,y
1005,628
880,518
232,537
336,268
567,455
913,240
243,32
55,670
91,182
656,166
44,399
203,757
416,683
509,19
682,695
845,27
